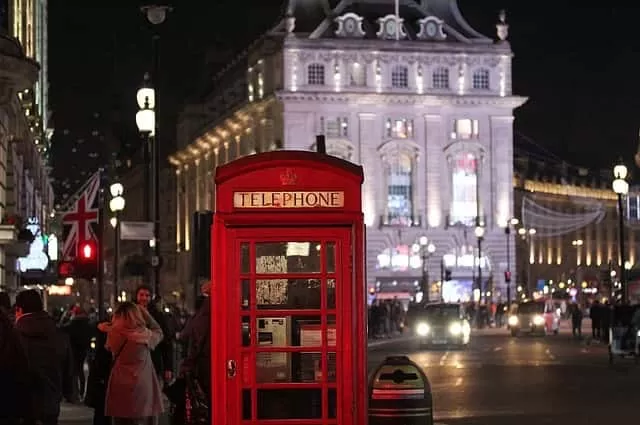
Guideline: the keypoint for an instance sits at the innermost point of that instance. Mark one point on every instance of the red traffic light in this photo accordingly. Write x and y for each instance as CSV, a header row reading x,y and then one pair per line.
x,y
507,276
65,269
87,251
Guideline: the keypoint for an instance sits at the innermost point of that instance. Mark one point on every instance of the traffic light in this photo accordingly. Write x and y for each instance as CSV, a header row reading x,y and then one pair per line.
x,y
65,269
86,264
447,275
507,276
87,251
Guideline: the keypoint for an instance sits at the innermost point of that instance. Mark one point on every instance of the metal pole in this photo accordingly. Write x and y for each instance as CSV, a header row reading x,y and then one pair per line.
x,y
147,197
442,276
156,169
480,269
116,260
425,284
507,231
100,259
621,247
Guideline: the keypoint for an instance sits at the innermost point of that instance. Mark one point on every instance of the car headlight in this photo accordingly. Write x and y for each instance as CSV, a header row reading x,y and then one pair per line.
x,y
513,320
455,328
538,320
422,329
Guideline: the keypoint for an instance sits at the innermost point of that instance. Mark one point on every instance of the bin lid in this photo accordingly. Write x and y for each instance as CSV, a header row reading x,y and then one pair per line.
x,y
406,376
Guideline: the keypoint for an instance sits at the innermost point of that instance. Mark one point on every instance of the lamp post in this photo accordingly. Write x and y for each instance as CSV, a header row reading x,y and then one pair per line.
x,y
426,250
146,122
621,188
156,15
526,235
479,231
116,205
507,276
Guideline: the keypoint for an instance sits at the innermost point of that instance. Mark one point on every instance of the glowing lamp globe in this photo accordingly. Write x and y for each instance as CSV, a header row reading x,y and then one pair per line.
x,y
146,120
621,187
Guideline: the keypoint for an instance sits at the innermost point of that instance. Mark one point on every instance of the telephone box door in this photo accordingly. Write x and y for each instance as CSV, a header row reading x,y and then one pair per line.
x,y
287,327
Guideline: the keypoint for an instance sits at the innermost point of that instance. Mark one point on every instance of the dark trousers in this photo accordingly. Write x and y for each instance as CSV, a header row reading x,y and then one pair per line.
x,y
79,377
595,330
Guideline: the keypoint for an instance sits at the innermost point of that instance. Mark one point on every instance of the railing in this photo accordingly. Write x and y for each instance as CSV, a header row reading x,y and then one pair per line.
x,y
401,220
468,221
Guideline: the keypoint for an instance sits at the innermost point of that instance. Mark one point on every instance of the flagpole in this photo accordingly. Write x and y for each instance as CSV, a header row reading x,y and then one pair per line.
x,y
397,20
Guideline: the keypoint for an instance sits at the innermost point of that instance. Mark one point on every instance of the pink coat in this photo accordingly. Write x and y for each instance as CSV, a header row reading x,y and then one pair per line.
x,y
133,390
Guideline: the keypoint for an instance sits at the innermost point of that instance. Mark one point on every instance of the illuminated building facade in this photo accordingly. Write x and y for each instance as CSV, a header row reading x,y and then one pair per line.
x,y
25,187
419,98
575,220
28,22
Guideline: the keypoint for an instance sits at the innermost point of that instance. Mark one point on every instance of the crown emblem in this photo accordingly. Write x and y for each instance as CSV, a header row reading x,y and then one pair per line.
x,y
288,177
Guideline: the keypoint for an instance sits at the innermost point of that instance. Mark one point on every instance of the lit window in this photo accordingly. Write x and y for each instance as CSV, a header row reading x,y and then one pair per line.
x,y
358,75
440,78
633,207
338,127
251,96
400,173
481,79
464,129
315,74
464,179
400,77
399,128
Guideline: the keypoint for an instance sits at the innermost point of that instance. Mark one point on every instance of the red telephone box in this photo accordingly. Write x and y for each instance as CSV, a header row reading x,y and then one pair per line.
x,y
288,295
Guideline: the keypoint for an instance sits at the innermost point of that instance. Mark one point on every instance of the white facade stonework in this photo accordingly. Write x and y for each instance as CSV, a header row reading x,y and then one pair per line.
x,y
426,107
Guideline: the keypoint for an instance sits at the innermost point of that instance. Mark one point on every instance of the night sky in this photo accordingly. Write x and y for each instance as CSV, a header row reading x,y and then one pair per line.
x,y
577,65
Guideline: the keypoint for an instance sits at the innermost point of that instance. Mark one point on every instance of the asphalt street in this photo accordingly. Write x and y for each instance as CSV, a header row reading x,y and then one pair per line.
x,y
499,380
528,380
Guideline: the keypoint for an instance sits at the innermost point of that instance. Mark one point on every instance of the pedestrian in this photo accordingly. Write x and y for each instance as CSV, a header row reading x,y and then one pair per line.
x,y
134,395
576,321
49,358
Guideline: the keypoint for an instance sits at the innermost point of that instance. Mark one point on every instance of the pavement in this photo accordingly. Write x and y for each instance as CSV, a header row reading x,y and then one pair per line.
x,y
500,380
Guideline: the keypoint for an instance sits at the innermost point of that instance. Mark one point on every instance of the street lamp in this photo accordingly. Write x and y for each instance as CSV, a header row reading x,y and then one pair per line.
x,y
147,121
507,275
426,250
116,205
480,236
621,188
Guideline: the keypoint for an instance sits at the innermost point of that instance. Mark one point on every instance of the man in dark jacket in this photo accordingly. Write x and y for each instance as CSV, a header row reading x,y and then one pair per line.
x,y
162,356
49,358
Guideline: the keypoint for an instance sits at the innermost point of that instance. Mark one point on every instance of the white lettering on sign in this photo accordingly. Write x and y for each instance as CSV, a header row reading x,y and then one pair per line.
x,y
328,199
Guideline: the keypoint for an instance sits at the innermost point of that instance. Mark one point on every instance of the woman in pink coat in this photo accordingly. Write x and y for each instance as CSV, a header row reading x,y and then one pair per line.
x,y
134,396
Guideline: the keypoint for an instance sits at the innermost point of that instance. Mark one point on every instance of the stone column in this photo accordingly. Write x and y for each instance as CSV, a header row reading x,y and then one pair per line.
x,y
369,138
436,171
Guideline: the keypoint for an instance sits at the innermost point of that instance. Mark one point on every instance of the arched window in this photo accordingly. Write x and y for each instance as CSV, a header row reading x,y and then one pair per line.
x,y
400,77
481,79
400,172
440,78
315,74
464,186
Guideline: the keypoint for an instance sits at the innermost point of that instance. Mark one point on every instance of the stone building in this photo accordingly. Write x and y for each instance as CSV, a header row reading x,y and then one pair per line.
x,y
420,99
25,187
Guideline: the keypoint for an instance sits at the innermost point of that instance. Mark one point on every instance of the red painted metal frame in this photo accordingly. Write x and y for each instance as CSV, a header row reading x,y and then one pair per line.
x,y
344,226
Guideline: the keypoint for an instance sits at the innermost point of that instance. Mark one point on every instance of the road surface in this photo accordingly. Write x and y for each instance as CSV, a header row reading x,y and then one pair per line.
x,y
499,380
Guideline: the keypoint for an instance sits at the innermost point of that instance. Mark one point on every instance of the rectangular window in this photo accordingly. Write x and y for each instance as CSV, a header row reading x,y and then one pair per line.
x,y
335,128
464,129
399,128
464,179
358,75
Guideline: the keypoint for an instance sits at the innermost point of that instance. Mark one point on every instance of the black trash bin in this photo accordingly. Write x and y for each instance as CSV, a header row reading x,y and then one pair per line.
x,y
400,394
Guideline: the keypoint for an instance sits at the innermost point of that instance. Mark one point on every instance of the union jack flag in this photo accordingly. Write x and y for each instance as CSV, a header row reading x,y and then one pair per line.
x,y
80,221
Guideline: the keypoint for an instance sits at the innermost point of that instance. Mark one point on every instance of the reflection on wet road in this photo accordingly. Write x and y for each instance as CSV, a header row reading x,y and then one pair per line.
x,y
499,379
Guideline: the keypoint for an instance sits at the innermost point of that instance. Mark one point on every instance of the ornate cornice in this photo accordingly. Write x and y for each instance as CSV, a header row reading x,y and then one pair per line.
x,y
16,74
511,102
